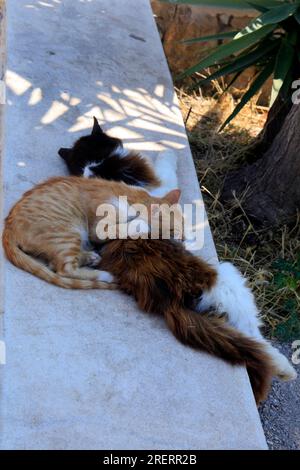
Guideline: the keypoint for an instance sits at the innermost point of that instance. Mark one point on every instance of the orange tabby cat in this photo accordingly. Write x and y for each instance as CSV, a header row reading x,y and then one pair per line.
x,y
52,221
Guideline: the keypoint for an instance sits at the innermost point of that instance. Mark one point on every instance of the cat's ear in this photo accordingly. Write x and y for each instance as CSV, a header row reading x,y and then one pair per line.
x,y
65,153
173,196
96,128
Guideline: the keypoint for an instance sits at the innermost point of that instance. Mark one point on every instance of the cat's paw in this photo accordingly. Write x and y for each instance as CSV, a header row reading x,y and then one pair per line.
x,y
105,276
282,366
91,258
284,369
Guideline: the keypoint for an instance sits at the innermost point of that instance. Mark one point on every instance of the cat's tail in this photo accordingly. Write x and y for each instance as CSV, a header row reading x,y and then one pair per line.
x,y
210,333
26,262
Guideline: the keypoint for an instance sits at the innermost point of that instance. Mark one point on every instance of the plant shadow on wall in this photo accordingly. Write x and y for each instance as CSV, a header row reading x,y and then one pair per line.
x,y
145,119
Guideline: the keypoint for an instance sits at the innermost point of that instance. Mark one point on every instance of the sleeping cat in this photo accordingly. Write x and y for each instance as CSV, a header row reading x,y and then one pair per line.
x,y
114,162
53,221
166,279
99,155
157,271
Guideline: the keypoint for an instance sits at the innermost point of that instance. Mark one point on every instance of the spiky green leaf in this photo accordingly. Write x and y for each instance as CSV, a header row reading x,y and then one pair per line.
x,y
297,15
225,50
284,62
257,7
231,82
272,16
244,61
227,35
254,88
280,13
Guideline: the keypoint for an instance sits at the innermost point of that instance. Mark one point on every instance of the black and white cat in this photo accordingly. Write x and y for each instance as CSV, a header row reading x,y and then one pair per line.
x,y
99,155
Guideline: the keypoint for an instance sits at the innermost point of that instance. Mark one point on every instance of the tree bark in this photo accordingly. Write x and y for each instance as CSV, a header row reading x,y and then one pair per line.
x,y
275,120
273,181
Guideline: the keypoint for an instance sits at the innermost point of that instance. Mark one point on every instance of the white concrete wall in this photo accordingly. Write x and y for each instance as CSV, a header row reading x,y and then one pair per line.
x,y
88,370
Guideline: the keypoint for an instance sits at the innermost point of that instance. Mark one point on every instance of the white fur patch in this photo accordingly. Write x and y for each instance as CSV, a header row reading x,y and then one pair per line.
x,y
88,169
231,295
87,172
166,169
284,370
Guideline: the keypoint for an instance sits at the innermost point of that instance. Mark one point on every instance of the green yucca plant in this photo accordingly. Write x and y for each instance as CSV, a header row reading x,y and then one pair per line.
x,y
270,42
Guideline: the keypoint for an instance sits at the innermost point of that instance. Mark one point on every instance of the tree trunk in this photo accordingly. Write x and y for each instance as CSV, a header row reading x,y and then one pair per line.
x,y
273,196
275,120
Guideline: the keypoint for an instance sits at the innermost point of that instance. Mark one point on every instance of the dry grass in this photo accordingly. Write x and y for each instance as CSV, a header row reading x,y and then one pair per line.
x,y
254,252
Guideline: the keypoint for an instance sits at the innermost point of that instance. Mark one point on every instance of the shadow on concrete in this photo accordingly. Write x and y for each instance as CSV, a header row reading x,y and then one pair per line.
x,y
146,118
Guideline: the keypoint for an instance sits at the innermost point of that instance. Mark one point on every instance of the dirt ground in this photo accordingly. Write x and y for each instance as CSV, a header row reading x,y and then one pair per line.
x,y
280,414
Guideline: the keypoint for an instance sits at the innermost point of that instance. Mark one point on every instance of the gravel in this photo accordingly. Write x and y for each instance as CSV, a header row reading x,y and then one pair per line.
x,y
280,414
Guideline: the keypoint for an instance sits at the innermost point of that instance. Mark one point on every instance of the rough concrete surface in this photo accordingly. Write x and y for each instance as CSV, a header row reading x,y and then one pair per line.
x,y
88,370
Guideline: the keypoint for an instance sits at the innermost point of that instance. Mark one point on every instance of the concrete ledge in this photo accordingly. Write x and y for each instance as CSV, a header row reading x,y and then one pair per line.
x,y
88,370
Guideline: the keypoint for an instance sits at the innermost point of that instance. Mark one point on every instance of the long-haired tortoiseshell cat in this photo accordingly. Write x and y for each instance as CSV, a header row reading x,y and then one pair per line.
x,y
165,278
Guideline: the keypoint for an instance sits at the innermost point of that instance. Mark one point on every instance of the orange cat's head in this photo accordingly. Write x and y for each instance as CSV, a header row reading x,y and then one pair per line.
x,y
145,216
167,217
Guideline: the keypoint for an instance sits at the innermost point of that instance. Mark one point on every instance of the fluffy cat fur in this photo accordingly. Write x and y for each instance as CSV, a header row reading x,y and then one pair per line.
x,y
52,221
112,163
231,294
100,155
166,279
158,275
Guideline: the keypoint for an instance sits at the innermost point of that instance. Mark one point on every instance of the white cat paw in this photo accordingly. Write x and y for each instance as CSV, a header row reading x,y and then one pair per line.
x,y
105,276
283,368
